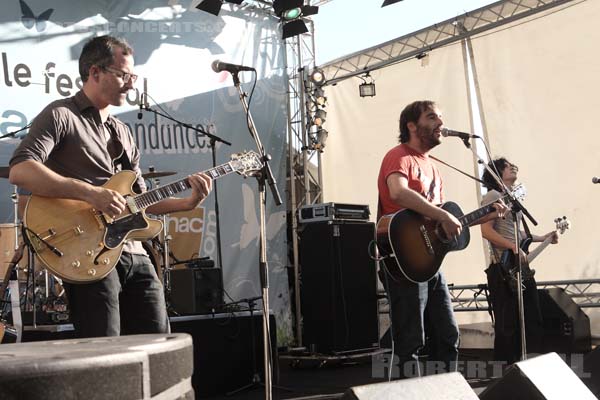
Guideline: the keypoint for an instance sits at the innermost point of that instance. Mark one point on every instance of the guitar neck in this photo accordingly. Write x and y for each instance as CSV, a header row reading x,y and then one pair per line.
x,y
153,196
470,218
536,252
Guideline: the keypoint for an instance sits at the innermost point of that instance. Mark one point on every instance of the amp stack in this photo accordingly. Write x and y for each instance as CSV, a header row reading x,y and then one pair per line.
x,y
338,278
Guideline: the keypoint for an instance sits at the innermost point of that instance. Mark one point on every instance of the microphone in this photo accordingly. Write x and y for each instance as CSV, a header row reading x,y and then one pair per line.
x,y
463,135
595,180
143,99
219,66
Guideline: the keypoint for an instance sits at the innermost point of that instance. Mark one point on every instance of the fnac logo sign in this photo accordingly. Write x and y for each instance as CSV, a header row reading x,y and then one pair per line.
x,y
186,229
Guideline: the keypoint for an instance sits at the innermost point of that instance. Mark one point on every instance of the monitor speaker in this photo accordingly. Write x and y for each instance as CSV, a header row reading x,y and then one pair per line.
x,y
196,290
339,287
539,378
566,326
450,386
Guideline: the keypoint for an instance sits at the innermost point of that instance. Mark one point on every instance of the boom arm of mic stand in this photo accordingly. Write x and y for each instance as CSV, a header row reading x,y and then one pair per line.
x,y
267,172
210,135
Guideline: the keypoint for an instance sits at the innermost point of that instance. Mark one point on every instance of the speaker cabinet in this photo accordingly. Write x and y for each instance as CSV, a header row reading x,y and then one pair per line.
x,y
123,367
339,287
543,377
566,326
591,371
196,290
451,386
228,350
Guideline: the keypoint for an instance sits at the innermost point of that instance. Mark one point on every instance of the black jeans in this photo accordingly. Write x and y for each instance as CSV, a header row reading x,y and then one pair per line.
x,y
503,301
129,300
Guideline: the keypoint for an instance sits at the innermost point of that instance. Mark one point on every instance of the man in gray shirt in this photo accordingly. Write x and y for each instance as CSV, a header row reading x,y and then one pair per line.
x,y
70,151
500,233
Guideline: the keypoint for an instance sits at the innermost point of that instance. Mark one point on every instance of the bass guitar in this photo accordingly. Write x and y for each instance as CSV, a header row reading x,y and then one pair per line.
x,y
80,244
509,262
414,246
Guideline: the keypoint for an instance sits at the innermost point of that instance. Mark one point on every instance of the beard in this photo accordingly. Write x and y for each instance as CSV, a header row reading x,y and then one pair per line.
x,y
427,137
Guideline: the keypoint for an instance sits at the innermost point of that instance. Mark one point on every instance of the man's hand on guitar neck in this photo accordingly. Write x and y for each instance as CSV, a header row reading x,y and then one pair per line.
x,y
553,235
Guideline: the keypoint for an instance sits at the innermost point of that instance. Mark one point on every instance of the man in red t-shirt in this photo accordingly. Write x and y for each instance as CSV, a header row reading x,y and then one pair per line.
x,y
408,179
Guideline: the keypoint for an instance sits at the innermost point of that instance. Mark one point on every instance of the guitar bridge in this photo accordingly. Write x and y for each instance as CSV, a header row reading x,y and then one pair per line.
x,y
426,240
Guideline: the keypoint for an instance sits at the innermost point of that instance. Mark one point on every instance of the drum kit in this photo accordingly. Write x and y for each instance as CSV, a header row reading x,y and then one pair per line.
x,y
40,290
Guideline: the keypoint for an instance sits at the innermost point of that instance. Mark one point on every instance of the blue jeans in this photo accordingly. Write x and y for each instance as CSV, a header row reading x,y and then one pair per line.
x,y
420,312
129,300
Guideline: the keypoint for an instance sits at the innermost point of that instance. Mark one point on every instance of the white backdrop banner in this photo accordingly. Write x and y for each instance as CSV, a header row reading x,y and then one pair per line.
x,y
174,47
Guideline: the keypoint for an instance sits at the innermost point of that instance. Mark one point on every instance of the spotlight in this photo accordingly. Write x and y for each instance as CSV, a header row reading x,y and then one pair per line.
x,y
289,13
319,97
319,118
366,89
388,2
214,6
322,136
317,77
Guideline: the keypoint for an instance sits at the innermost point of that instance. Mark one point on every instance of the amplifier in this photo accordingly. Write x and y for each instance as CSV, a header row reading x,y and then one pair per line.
x,y
333,212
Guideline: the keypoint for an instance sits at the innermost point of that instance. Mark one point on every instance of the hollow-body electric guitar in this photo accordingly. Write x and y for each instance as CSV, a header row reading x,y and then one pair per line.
x,y
414,246
80,244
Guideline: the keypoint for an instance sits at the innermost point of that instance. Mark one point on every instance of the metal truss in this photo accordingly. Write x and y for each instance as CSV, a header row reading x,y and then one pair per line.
x,y
438,35
304,163
584,292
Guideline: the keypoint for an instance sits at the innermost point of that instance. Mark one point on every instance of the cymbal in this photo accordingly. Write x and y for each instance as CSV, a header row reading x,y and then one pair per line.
x,y
4,172
157,174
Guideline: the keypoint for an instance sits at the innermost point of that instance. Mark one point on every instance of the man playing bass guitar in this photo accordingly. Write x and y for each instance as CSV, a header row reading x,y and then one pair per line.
x,y
500,233
409,180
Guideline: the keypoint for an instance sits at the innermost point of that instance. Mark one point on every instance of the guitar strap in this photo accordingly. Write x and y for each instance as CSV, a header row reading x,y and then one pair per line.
x,y
123,160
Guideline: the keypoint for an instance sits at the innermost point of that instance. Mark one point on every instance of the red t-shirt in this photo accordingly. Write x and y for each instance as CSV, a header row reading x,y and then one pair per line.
x,y
423,177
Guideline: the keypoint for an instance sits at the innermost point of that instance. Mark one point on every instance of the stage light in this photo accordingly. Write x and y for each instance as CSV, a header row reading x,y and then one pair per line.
x,y
289,13
319,118
388,2
317,77
214,6
367,88
319,97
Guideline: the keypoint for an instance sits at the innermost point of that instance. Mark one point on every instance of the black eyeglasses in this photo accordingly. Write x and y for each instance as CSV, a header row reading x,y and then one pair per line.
x,y
125,76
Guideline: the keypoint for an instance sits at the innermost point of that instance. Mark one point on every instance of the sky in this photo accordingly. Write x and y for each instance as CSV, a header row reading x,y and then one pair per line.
x,y
343,27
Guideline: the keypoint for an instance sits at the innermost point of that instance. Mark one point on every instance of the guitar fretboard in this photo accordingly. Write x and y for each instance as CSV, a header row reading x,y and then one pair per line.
x,y
470,218
153,196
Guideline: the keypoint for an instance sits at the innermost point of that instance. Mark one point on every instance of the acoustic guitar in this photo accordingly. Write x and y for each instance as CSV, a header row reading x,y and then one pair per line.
x,y
414,246
80,244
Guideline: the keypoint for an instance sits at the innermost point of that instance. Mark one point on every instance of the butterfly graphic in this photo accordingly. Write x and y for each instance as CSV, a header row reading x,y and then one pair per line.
x,y
250,228
29,19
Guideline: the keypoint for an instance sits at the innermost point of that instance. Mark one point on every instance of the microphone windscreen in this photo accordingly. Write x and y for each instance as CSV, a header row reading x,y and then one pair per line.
x,y
215,66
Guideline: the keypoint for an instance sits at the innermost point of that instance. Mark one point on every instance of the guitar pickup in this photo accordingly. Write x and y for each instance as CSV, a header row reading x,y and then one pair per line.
x,y
426,240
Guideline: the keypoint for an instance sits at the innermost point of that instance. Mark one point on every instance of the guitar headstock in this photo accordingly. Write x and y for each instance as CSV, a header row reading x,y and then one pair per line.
x,y
562,224
519,192
247,163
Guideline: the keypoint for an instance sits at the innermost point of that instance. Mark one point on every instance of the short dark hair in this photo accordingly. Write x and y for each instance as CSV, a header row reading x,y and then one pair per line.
x,y
100,51
497,166
412,113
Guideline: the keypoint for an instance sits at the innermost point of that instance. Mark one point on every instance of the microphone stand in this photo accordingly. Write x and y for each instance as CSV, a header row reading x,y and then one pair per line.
x,y
213,140
12,134
265,175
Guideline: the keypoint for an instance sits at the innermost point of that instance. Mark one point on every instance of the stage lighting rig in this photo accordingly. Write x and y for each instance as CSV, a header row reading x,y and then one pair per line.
x,y
290,13
367,88
214,6
388,2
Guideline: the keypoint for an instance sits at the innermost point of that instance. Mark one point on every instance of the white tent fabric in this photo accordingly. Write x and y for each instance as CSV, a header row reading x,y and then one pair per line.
x,y
539,84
